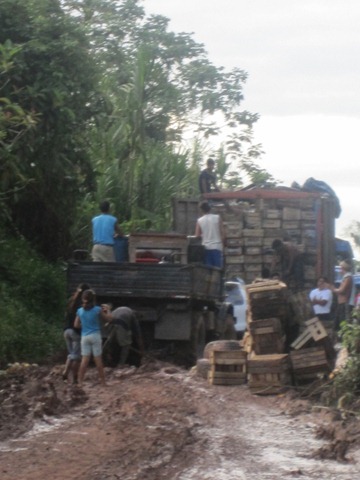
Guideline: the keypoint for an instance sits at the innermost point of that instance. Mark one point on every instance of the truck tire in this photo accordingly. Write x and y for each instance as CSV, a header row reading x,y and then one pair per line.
x,y
221,345
198,336
203,367
189,351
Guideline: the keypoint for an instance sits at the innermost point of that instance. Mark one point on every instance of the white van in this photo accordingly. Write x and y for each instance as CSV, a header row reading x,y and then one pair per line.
x,y
235,294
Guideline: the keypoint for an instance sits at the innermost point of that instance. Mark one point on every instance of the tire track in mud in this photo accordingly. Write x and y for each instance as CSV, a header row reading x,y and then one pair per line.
x,y
258,442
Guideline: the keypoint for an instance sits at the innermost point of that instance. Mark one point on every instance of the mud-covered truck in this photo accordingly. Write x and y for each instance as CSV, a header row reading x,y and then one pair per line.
x,y
176,302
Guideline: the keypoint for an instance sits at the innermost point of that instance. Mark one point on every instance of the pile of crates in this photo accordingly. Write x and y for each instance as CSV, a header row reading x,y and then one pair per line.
x,y
251,226
268,364
312,352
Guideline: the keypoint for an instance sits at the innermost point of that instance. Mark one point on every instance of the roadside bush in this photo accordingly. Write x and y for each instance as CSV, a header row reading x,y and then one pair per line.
x,y
32,299
347,381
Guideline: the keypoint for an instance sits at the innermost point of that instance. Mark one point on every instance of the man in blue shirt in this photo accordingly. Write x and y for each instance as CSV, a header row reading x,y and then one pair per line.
x,y
105,228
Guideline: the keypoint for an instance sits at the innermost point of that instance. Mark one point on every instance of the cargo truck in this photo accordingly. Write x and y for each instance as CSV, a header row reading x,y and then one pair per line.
x,y
178,304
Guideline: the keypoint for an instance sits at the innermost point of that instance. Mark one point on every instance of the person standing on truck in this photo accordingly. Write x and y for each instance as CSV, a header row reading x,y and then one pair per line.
x,y
288,261
105,228
207,178
345,294
321,299
211,230
88,318
72,335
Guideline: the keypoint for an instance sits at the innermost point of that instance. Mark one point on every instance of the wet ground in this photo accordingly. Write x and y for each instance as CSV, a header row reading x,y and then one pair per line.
x,y
162,422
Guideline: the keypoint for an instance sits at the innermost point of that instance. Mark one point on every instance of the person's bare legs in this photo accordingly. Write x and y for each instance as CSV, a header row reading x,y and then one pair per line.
x,y
66,368
83,366
100,369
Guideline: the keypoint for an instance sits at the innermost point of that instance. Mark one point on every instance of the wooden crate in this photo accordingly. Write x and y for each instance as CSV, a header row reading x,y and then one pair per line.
x,y
291,225
269,223
317,329
291,213
253,241
176,243
233,250
308,215
253,251
272,213
232,230
267,336
269,374
234,259
265,326
274,233
234,270
228,367
253,232
302,340
267,299
252,259
308,363
252,220
233,242
314,332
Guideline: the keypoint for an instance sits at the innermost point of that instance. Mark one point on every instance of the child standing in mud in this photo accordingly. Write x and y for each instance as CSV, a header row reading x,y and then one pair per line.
x,y
88,318
72,335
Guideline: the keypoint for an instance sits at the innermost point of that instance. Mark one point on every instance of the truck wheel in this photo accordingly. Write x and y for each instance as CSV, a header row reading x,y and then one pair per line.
x,y
203,367
198,336
187,352
221,345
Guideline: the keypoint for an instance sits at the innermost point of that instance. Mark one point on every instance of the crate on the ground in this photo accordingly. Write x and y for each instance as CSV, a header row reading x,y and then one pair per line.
x,y
269,374
228,367
308,363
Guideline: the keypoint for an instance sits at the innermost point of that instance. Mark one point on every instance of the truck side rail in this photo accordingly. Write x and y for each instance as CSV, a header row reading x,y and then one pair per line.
x,y
136,280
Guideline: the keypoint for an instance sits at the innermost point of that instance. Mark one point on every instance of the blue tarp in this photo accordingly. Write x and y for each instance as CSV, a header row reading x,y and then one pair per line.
x,y
343,248
312,185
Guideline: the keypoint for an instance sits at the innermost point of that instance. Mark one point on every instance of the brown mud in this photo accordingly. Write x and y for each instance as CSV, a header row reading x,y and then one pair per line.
x,y
162,422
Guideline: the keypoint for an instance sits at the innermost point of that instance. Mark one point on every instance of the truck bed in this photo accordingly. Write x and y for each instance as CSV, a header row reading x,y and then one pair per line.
x,y
141,281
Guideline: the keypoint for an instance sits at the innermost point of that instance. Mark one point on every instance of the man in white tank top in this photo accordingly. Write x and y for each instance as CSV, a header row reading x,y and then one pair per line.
x,y
210,228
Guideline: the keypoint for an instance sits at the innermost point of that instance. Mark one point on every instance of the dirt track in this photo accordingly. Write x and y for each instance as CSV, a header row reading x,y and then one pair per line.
x,y
163,422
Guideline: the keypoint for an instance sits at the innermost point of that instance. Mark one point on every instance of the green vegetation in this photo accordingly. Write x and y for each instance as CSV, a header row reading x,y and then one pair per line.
x,y
347,382
97,100
32,299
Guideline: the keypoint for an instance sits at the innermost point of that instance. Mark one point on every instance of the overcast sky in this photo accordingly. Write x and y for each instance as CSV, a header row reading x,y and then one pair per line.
x,y
303,61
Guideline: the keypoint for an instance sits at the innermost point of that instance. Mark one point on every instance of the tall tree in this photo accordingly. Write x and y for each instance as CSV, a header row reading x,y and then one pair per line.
x,y
54,78
160,86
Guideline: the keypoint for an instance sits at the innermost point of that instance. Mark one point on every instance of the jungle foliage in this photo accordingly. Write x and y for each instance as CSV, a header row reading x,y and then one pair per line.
x,y
32,302
99,100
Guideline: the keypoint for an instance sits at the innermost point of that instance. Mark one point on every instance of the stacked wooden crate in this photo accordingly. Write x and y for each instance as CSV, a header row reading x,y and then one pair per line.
x,y
251,227
268,365
234,243
267,299
268,374
309,363
312,352
228,367
267,336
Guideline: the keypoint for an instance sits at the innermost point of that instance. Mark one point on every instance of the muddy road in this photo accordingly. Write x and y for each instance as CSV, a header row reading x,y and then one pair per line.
x,y
162,422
